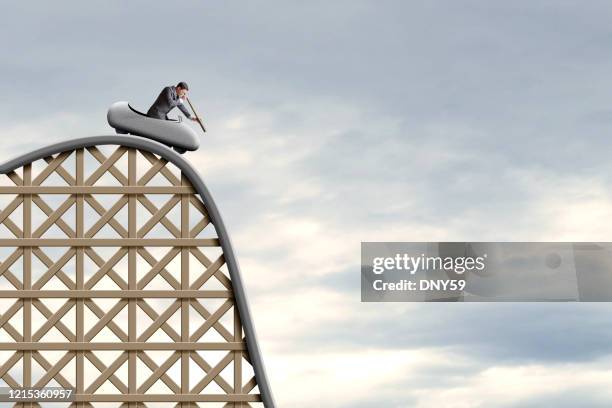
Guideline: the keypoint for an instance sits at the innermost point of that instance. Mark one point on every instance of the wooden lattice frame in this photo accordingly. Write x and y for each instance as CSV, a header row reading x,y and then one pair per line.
x,y
29,242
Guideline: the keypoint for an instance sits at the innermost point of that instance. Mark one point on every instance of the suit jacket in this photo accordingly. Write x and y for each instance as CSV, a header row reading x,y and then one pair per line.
x,y
165,102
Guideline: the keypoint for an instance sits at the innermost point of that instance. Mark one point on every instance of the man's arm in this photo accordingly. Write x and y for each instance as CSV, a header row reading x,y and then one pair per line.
x,y
183,109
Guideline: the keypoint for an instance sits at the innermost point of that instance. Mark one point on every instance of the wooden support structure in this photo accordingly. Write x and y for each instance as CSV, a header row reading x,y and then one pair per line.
x,y
116,271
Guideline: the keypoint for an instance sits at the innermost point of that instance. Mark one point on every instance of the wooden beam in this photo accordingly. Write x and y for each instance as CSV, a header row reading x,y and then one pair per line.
x,y
93,346
96,190
119,294
109,242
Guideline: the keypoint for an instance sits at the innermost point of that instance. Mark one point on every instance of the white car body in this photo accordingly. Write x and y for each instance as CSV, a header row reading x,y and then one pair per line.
x,y
177,134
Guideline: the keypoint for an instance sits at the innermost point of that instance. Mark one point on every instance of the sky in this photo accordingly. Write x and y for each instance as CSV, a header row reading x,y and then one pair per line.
x,y
336,122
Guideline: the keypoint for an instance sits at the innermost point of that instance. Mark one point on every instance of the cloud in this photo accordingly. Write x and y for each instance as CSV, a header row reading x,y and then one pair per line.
x,y
514,386
336,123
348,378
426,377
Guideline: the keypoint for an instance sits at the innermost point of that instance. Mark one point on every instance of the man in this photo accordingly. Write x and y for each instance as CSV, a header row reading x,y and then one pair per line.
x,y
169,98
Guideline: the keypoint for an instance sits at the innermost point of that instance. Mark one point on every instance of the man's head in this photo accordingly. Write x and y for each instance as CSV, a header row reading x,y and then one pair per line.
x,y
181,89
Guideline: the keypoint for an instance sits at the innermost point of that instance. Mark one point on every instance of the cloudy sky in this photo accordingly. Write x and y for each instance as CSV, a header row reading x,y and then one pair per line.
x,y
336,122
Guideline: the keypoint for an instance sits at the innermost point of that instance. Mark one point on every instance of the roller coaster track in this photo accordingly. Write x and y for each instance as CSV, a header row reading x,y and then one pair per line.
x,y
117,273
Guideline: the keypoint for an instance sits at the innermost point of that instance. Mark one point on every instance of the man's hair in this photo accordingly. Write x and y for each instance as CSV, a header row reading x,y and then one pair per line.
x,y
182,85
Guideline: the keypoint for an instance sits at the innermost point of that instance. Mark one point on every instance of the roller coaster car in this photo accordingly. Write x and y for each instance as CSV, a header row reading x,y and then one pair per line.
x,y
173,133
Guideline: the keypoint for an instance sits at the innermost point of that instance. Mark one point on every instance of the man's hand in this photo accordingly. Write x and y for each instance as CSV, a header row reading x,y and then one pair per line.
x,y
194,118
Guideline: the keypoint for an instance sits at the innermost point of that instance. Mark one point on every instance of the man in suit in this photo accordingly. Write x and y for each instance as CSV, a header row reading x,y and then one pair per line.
x,y
170,98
